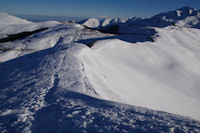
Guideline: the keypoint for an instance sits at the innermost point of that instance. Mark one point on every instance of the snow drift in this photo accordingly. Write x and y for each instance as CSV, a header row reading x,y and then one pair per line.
x,y
162,75
56,83
48,91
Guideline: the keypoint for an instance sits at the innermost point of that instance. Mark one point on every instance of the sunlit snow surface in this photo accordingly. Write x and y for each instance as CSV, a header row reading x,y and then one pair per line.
x,y
52,82
162,75
45,92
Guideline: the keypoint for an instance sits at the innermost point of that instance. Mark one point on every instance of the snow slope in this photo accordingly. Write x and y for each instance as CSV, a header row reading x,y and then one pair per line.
x,y
183,17
91,23
99,23
61,33
11,25
55,83
10,29
7,19
48,91
162,75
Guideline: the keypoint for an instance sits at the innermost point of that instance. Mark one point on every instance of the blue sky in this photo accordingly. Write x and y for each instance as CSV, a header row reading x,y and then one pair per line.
x,y
94,8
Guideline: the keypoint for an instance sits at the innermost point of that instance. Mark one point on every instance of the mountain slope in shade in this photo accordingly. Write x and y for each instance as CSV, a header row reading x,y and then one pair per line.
x,y
184,17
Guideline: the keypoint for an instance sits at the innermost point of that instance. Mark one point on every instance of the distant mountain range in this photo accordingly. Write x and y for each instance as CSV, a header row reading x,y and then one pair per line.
x,y
183,17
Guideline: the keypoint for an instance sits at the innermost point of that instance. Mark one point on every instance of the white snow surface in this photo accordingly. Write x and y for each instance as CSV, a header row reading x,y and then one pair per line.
x,y
99,23
91,23
52,91
52,82
9,29
11,25
62,33
162,75
183,17
7,19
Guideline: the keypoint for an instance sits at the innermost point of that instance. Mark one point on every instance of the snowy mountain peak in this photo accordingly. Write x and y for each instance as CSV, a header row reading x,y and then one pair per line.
x,y
178,14
186,8
9,19
183,17
99,23
187,11
91,22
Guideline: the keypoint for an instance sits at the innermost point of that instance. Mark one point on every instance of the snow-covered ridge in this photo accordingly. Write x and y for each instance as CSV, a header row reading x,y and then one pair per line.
x,y
160,75
184,17
178,14
47,91
56,83
100,23
12,25
91,23
61,33
6,19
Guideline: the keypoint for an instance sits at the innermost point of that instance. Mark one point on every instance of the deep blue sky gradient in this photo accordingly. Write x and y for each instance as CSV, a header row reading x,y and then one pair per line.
x,y
94,8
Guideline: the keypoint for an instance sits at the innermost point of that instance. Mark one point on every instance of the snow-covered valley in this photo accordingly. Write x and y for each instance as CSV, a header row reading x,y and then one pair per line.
x,y
71,77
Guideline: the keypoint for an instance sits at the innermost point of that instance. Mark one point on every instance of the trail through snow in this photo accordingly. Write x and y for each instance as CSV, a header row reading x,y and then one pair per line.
x,y
52,82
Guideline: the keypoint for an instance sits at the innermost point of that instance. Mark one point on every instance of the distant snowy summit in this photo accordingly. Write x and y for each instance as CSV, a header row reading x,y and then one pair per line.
x,y
99,23
183,17
7,19
13,25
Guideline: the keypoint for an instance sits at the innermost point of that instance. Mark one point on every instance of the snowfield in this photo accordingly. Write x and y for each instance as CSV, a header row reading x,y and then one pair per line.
x,y
7,19
65,33
49,91
12,25
70,78
162,75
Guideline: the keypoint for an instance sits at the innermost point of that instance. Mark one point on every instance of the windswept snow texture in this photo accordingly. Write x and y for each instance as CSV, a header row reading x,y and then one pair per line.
x,y
62,33
53,82
46,91
162,75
